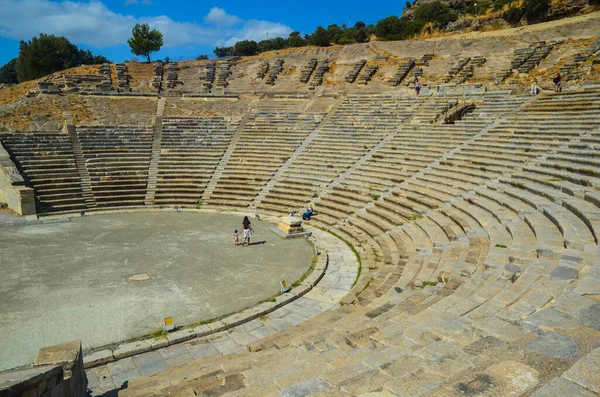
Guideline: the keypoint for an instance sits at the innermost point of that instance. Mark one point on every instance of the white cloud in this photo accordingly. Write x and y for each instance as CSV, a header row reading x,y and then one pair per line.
x,y
218,16
92,23
132,2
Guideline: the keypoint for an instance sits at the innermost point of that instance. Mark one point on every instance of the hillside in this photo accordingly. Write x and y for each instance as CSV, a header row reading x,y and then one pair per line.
x,y
501,58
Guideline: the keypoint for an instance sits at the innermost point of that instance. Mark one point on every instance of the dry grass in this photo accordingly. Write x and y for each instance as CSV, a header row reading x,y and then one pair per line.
x,y
80,110
33,114
123,111
13,94
85,69
141,75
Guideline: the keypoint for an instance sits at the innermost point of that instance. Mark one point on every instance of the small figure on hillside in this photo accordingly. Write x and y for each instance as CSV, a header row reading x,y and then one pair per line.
x,y
557,82
292,214
417,86
308,213
236,237
535,89
247,230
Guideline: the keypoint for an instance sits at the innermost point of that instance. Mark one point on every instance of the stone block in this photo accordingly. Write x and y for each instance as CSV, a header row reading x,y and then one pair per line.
x,y
98,358
132,348
586,372
70,358
159,343
181,336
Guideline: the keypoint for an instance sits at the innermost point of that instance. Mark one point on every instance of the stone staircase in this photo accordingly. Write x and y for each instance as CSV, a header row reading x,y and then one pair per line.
x,y
156,148
86,182
210,187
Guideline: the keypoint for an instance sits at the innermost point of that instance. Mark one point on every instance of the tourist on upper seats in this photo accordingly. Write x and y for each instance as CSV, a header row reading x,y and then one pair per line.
x,y
557,82
535,89
417,86
308,213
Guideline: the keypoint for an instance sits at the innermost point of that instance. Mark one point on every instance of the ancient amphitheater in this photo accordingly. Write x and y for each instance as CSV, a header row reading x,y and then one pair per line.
x,y
457,229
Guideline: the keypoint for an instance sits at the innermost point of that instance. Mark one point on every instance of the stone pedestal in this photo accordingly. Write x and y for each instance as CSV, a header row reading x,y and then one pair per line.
x,y
290,227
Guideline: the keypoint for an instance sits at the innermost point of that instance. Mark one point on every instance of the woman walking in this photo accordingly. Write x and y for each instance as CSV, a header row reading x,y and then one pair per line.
x,y
247,230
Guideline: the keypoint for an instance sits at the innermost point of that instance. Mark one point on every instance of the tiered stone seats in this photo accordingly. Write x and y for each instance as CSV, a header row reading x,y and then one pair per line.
x,y
122,76
106,83
208,76
319,74
158,75
403,71
172,78
190,152
527,58
117,160
570,71
48,164
366,74
479,257
424,60
357,126
307,70
263,68
266,143
274,72
81,82
223,73
353,74
453,72
467,72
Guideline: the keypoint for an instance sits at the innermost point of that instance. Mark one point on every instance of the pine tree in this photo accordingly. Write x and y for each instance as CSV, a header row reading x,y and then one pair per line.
x,y
144,41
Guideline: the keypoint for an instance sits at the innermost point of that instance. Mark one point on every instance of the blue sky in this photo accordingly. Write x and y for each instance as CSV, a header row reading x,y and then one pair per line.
x,y
189,27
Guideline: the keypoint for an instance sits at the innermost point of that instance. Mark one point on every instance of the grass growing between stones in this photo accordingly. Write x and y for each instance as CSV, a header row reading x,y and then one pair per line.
x,y
356,254
308,272
365,287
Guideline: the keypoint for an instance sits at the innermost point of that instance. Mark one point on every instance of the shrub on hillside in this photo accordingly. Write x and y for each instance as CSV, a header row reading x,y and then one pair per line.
x,y
245,48
513,15
438,13
536,10
8,74
47,54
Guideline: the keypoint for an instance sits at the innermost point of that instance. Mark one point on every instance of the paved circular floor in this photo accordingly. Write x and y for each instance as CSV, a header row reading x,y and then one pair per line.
x,y
108,278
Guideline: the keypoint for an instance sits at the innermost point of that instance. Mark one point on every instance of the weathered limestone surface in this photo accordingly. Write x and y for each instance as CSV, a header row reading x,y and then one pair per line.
x,y
70,358
13,191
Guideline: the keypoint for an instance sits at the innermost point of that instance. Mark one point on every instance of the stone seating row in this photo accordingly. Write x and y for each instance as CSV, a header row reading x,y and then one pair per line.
x,y
403,70
353,73
48,164
190,152
319,74
274,72
253,161
117,161
263,68
307,70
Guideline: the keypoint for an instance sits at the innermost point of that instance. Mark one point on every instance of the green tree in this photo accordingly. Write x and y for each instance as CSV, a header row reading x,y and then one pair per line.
x,y
296,40
8,73
536,10
320,37
245,48
437,12
87,58
144,41
201,57
44,55
221,52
